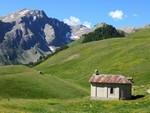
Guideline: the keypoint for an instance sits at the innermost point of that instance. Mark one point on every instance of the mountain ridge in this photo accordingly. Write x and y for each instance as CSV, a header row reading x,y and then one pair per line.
x,y
28,34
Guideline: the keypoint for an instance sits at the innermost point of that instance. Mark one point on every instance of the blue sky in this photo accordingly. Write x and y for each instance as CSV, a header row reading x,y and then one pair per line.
x,y
118,13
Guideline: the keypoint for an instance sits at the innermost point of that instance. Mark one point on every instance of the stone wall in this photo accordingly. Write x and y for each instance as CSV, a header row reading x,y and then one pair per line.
x,y
103,91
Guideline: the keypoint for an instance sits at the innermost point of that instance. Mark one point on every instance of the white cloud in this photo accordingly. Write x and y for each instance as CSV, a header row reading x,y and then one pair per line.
x,y
118,14
87,24
72,21
76,21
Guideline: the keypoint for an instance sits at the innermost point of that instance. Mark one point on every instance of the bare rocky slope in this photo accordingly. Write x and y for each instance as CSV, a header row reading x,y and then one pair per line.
x,y
129,29
28,34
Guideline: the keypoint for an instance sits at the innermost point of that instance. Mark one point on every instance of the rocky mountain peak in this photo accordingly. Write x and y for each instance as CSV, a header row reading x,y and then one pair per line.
x,y
99,25
32,13
129,29
78,31
147,26
26,35
17,16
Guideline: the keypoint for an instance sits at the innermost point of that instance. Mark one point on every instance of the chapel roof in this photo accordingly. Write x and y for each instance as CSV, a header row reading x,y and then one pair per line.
x,y
110,78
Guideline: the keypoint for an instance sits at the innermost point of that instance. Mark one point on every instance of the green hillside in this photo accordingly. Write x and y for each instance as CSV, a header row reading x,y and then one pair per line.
x,y
129,56
23,82
63,87
83,105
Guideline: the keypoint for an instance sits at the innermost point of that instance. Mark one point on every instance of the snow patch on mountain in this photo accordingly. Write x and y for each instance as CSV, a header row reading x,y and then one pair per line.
x,y
52,48
12,16
22,13
74,37
5,19
34,18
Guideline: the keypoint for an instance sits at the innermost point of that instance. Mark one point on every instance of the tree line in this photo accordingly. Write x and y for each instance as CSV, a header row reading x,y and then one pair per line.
x,y
104,32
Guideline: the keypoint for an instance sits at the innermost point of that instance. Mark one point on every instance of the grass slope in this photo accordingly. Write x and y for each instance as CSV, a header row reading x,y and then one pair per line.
x,y
128,56
84,105
23,82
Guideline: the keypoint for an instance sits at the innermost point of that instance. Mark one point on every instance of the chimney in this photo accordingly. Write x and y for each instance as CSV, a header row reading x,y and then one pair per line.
x,y
96,72
130,79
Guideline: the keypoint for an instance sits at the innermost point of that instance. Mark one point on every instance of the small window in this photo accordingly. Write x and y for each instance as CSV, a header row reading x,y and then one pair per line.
x,y
111,90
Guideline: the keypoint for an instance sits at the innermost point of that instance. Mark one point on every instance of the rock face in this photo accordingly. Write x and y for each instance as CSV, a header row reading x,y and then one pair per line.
x,y
78,31
99,25
147,26
28,34
128,30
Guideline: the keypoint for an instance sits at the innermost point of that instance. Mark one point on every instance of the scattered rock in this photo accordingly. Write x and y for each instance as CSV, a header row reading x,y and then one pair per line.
x,y
40,72
148,91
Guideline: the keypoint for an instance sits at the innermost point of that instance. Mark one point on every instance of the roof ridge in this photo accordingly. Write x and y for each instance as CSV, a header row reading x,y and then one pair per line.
x,y
109,78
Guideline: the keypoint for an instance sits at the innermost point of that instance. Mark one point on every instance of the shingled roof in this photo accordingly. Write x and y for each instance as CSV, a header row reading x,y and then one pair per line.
x,y
109,78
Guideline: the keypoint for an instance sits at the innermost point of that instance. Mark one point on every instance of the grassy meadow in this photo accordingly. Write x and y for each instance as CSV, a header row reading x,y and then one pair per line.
x,y
63,85
84,105
129,56
23,82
